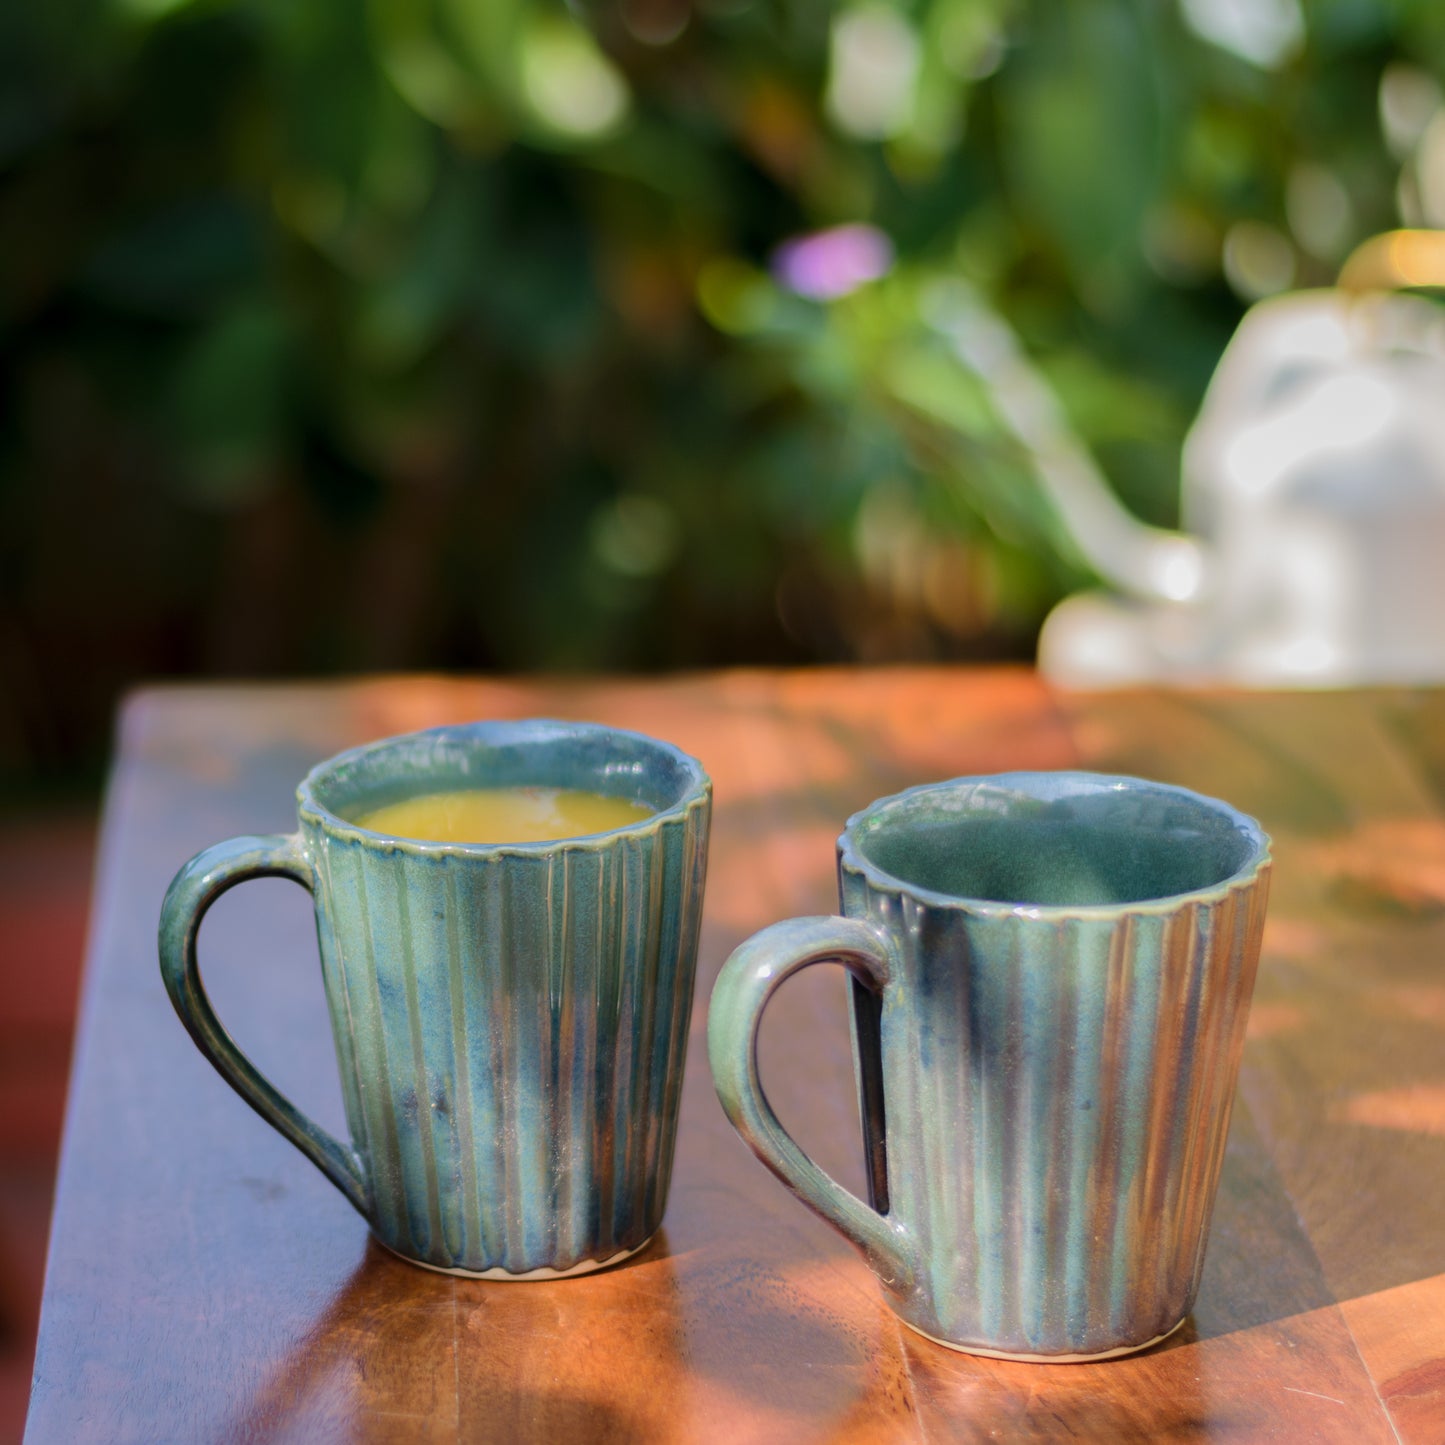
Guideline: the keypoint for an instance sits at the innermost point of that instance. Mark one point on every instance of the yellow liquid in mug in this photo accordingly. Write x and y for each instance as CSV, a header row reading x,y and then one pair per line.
x,y
504,815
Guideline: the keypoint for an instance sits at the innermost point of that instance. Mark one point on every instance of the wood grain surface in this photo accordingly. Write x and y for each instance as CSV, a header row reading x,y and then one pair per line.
x,y
205,1284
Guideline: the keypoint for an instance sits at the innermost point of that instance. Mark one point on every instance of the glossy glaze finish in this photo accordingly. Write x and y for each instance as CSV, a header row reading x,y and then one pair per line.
x,y
1047,1085
510,1020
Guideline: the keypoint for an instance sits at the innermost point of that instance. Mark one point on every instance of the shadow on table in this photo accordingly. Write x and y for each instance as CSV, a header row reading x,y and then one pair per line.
x,y
1260,1266
664,1348
473,1359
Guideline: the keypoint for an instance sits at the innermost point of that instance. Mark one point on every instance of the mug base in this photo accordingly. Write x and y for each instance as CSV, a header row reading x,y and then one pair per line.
x,y
545,1272
1044,1359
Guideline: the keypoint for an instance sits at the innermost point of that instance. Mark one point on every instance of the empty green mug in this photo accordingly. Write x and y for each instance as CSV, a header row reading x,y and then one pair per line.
x,y
1051,974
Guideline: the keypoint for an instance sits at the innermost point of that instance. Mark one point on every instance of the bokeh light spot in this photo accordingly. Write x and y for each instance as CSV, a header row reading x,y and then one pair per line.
x,y
635,535
572,86
873,71
1264,32
833,263
1258,260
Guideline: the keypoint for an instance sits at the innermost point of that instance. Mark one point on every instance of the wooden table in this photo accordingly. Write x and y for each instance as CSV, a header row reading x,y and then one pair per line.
x,y
205,1284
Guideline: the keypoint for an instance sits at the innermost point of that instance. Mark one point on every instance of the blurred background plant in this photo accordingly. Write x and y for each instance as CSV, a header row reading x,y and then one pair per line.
x,y
501,334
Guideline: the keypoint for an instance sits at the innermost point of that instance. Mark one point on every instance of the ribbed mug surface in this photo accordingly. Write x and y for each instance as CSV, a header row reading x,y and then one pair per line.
x,y
1051,983
510,1020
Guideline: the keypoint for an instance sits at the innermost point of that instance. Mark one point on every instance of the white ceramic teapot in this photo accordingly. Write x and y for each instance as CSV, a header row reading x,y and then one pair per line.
x,y
1313,495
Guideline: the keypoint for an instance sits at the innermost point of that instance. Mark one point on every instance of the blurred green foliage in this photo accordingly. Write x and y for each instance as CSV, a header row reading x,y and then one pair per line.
x,y
446,332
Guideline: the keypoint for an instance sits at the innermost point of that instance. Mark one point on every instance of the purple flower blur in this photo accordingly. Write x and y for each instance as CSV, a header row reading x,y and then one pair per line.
x,y
831,263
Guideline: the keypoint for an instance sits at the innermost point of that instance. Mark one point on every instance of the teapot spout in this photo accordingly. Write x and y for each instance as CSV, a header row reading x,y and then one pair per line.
x,y
1152,564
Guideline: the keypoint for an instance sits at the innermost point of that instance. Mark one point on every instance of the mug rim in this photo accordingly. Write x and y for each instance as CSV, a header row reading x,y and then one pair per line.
x,y
497,731
1258,863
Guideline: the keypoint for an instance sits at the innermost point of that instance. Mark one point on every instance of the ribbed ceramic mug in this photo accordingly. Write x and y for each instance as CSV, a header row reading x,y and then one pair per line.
x,y
510,1020
1051,974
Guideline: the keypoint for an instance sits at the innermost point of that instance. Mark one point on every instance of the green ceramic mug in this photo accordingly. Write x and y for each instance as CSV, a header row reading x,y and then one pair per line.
x,y
1051,974
510,1020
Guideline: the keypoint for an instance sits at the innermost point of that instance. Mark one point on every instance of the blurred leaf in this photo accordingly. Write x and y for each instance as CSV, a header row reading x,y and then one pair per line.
x,y
229,403
407,311
181,260
491,36
535,293
931,382
426,72
1104,405
1080,130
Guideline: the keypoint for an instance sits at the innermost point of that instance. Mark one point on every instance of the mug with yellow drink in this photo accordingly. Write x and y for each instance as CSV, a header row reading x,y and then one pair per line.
x,y
507,915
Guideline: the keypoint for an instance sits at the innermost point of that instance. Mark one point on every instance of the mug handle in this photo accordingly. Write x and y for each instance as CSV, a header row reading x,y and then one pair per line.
x,y
208,875
747,981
